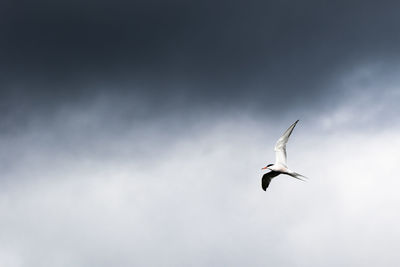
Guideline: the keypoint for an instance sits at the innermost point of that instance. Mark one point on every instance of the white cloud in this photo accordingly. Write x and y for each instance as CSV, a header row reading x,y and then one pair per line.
x,y
152,196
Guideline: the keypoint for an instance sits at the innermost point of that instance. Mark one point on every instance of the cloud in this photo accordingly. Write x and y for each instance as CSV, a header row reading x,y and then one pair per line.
x,y
134,134
193,197
228,54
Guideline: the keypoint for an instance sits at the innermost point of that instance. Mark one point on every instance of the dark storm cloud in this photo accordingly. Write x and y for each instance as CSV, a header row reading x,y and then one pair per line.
x,y
190,53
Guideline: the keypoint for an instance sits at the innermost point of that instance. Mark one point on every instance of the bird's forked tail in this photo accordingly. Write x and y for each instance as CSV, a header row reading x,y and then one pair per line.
x,y
298,176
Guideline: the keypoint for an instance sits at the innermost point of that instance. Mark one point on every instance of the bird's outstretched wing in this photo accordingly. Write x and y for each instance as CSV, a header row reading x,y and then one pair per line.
x,y
280,146
266,179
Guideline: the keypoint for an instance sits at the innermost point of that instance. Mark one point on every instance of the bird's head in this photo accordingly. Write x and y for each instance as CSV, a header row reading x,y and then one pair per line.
x,y
266,167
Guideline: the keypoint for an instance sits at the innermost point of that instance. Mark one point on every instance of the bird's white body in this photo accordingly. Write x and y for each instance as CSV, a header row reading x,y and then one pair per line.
x,y
280,166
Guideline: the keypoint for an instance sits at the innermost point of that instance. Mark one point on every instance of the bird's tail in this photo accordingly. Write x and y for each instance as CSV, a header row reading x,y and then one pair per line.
x,y
298,176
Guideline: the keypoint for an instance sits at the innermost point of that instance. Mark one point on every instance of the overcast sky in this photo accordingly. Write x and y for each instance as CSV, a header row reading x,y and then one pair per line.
x,y
133,134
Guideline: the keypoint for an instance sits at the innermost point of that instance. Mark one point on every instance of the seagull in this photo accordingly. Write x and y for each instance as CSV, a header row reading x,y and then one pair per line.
x,y
280,166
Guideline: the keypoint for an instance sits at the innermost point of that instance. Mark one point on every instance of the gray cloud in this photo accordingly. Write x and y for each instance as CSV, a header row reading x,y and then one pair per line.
x,y
80,192
133,134
220,53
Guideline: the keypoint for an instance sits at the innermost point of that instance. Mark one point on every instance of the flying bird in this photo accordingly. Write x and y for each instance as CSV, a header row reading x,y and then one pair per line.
x,y
280,166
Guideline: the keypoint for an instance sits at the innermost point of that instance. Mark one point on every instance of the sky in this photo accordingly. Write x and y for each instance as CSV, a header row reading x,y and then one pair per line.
x,y
133,134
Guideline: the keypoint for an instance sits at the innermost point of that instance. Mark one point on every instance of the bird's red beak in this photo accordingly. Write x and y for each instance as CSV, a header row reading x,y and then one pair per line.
x,y
264,168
